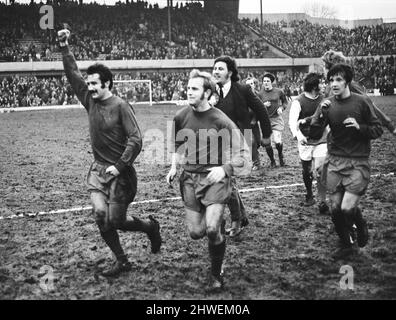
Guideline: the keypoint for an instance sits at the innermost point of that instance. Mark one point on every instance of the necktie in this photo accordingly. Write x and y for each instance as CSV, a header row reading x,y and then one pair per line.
x,y
221,91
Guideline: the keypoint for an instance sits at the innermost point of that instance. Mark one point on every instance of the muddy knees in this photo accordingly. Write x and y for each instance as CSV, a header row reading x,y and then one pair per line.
x,y
119,220
113,218
110,236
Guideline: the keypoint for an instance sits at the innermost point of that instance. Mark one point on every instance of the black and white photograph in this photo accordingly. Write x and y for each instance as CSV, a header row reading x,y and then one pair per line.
x,y
198,156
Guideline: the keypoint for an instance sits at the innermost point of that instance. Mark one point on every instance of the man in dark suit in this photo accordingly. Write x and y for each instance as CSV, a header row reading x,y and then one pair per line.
x,y
253,83
235,99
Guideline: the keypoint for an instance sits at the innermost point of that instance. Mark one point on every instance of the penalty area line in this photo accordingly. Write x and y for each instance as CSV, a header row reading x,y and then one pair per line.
x,y
78,209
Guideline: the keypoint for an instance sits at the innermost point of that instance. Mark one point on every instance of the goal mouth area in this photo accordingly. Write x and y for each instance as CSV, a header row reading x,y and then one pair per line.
x,y
134,91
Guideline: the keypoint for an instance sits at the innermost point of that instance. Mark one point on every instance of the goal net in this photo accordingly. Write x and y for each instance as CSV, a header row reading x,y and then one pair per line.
x,y
134,91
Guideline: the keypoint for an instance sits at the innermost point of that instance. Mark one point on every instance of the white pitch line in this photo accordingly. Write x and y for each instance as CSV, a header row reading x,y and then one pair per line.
x,y
77,209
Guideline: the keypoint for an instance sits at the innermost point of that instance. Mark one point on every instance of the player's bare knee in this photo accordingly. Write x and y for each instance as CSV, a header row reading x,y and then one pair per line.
x,y
196,234
347,207
117,222
335,207
213,233
100,216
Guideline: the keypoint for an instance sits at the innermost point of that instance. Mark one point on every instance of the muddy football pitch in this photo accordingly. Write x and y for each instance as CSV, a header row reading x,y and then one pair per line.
x,y
50,247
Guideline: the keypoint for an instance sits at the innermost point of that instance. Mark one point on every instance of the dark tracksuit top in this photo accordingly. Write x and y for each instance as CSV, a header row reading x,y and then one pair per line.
x,y
350,142
357,88
236,105
114,132
277,99
232,154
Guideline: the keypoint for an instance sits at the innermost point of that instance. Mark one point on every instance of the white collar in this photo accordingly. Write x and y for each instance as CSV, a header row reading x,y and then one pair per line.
x,y
226,88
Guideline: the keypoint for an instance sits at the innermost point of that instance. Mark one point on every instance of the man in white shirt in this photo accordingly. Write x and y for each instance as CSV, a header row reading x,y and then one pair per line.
x,y
310,150
235,99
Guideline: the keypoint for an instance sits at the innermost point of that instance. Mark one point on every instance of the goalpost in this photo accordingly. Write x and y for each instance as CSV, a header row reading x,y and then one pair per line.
x,y
134,91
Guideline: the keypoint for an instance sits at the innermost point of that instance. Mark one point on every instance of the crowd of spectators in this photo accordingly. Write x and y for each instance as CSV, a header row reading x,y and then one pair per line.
x,y
373,72
378,72
24,91
301,38
138,30
133,30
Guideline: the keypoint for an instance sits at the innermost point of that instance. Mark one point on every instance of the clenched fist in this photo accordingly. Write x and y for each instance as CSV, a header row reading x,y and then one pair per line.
x,y
63,37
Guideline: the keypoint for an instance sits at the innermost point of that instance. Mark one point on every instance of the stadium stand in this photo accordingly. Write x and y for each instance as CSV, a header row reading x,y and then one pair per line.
x,y
138,31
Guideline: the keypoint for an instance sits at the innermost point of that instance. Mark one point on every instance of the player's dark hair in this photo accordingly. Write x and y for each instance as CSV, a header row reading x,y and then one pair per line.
x,y
269,76
343,70
231,66
311,81
104,73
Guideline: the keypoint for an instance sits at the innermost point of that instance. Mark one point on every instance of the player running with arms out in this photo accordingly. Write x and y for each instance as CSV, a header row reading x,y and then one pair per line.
x,y
353,124
214,151
116,142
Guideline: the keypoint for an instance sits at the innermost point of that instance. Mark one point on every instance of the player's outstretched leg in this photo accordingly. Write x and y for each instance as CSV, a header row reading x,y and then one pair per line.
x,y
151,227
109,234
239,219
154,235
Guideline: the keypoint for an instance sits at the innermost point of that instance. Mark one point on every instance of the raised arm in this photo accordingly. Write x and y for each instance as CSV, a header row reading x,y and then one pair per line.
x,y
73,74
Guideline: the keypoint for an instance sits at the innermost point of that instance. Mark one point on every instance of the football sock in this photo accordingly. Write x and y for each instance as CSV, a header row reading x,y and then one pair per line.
x,y
216,254
112,239
270,153
307,176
